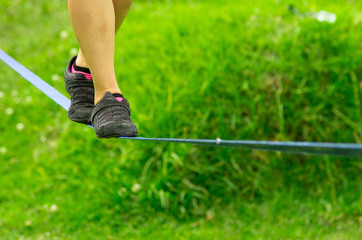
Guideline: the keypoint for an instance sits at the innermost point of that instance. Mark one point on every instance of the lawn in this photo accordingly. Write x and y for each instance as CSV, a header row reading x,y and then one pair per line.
x,y
191,69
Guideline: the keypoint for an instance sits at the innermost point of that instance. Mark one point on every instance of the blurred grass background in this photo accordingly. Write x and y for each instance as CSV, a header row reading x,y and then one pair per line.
x,y
191,69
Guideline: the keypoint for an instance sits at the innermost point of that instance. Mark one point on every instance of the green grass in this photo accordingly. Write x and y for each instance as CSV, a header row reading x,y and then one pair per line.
x,y
195,69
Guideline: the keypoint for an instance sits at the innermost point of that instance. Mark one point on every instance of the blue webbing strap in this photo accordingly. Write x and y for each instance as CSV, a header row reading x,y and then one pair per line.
x,y
36,81
333,149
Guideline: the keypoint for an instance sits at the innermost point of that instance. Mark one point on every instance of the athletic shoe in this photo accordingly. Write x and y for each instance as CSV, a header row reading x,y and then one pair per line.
x,y
81,90
111,117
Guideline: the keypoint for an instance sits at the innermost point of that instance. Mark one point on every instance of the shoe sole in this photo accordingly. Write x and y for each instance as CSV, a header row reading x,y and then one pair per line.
x,y
126,134
84,121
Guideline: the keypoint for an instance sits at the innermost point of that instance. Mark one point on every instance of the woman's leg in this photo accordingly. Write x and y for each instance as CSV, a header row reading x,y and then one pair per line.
x,y
94,24
120,8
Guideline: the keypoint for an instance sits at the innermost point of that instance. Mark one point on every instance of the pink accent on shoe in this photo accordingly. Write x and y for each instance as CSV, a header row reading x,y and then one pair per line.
x,y
88,76
119,99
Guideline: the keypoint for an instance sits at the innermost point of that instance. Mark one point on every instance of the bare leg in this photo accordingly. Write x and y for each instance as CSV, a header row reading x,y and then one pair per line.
x,y
94,23
121,8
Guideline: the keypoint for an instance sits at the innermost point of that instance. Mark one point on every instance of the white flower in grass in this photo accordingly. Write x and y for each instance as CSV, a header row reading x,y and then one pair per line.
x,y
42,139
20,126
52,144
9,111
63,34
2,94
53,208
55,77
323,16
3,150
136,187
121,191
73,51
40,237
28,222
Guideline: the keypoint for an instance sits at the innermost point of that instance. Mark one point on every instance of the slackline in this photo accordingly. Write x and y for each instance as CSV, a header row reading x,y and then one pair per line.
x,y
332,149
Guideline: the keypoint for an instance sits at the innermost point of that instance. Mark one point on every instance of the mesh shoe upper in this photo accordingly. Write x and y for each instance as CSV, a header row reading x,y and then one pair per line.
x,y
111,118
81,91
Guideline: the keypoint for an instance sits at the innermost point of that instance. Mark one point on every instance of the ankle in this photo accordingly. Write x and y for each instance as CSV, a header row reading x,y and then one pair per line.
x,y
80,62
99,94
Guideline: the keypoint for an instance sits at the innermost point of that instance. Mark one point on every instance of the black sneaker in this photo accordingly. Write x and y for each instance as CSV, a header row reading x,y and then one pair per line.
x,y
112,118
81,91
